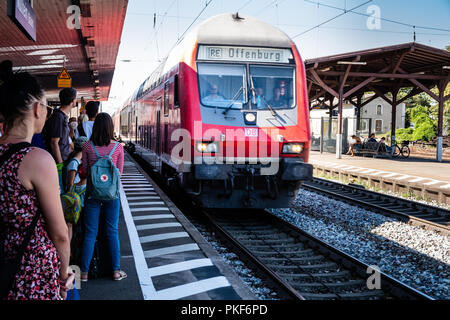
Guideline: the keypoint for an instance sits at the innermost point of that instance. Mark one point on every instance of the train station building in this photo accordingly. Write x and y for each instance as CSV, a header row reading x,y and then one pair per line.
x,y
359,78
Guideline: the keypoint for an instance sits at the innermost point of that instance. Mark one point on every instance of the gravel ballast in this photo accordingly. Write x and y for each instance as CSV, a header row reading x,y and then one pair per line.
x,y
417,257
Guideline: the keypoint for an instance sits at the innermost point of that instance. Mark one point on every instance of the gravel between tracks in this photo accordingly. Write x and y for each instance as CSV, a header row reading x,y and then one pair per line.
x,y
256,284
417,257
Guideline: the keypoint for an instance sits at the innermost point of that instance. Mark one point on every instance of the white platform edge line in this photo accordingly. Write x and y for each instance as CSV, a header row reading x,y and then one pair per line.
x,y
164,236
180,266
154,217
192,288
171,250
152,226
145,281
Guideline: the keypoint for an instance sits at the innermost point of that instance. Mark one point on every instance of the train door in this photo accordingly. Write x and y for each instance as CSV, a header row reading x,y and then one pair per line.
x,y
166,117
157,163
158,127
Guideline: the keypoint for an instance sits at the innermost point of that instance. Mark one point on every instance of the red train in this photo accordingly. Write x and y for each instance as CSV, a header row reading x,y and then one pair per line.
x,y
225,116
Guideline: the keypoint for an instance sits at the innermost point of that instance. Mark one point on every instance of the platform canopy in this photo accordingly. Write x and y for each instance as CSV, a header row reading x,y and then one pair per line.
x,y
87,46
352,76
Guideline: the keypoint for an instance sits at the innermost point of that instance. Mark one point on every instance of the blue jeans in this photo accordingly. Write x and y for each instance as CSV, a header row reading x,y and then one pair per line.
x,y
91,219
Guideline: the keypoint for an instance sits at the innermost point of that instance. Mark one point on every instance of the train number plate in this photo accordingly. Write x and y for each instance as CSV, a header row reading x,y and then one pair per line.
x,y
251,132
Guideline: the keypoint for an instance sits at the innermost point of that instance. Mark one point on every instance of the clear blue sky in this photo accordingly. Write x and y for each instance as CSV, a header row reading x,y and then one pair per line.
x,y
144,46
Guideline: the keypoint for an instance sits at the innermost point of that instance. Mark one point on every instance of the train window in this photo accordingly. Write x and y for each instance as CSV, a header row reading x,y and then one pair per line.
x,y
166,99
176,97
222,85
273,86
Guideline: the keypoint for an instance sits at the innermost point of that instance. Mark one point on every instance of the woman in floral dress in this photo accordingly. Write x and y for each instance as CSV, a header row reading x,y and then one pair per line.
x,y
29,182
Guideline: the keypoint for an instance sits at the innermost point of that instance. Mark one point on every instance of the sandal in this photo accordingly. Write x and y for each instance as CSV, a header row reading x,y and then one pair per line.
x,y
84,277
119,275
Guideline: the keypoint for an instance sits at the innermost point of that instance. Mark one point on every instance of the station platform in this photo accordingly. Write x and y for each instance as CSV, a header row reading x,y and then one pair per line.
x,y
164,255
423,178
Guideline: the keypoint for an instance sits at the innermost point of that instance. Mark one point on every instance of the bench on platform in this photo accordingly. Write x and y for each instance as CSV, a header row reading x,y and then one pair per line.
x,y
374,149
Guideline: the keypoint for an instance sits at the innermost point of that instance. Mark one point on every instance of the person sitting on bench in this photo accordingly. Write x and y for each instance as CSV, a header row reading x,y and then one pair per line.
x,y
383,147
357,144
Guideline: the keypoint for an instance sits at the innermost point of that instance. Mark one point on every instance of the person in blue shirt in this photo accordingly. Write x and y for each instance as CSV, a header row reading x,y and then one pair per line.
x,y
73,178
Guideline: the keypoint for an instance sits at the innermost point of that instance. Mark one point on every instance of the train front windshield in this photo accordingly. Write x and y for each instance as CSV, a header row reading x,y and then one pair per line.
x,y
222,85
272,86
229,86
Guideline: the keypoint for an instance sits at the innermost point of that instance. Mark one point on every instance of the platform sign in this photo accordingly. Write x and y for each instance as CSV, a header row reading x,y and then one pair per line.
x,y
64,79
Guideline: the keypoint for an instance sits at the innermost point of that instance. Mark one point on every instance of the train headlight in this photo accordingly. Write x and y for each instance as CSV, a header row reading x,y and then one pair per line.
x,y
207,147
250,118
292,148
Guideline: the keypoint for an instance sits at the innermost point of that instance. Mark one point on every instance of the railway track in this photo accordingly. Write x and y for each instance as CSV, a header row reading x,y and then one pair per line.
x,y
298,264
415,213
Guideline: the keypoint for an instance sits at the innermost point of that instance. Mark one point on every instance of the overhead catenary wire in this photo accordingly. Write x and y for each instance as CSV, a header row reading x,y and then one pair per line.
x,y
331,19
155,34
381,18
196,18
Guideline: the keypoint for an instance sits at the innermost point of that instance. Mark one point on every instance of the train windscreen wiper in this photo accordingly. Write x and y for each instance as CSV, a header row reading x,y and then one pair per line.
x,y
252,88
233,101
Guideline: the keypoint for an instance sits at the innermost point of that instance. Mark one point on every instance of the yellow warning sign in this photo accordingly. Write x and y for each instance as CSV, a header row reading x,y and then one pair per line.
x,y
64,79
64,74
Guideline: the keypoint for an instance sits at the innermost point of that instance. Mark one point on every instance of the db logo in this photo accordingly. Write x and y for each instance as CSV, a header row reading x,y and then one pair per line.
x,y
104,177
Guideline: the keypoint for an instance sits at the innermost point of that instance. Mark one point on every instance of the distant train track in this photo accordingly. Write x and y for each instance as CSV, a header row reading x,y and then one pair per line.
x,y
415,213
298,264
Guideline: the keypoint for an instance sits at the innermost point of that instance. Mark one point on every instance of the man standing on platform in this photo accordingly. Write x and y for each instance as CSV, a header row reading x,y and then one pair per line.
x,y
56,130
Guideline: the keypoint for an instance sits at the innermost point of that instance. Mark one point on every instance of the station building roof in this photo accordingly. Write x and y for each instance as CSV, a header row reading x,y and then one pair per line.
x,y
379,70
88,51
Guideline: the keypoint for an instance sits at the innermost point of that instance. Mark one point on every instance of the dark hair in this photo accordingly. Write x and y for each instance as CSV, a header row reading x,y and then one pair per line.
x,y
17,92
92,108
103,130
67,95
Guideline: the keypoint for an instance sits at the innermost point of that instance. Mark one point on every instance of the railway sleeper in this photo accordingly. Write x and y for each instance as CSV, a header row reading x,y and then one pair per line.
x,y
325,277
278,247
294,254
335,286
366,295
319,267
299,260
255,242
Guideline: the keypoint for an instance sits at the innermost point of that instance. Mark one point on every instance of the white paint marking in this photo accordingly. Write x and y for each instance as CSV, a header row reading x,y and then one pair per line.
x,y
158,226
139,189
164,236
377,173
391,175
170,250
417,180
180,266
144,198
150,209
192,288
431,182
134,204
154,217
403,178
145,280
446,186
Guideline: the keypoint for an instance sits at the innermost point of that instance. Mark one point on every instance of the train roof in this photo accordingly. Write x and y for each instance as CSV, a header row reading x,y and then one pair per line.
x,y
234,29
